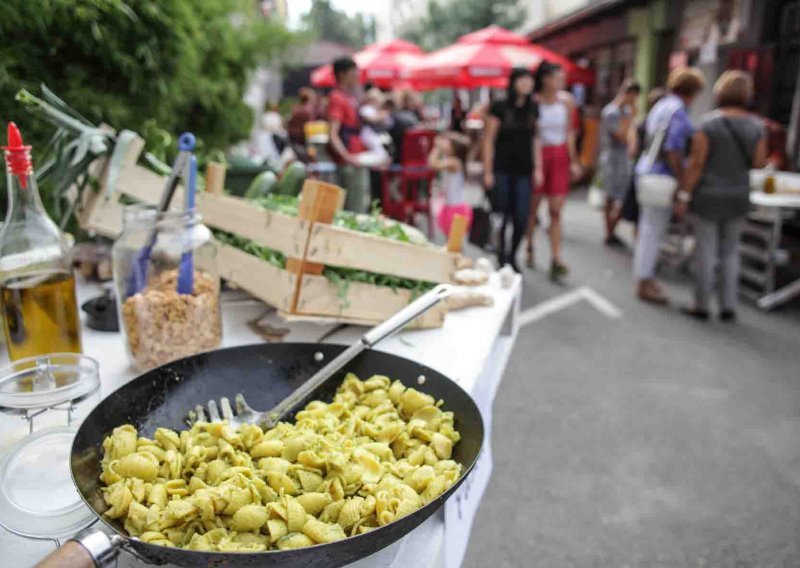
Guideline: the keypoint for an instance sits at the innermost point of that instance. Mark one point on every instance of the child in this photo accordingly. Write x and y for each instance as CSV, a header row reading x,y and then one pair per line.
x,y
373,122
449,157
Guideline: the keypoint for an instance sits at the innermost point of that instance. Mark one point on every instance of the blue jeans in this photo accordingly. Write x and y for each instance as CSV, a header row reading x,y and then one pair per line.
x,y
512,197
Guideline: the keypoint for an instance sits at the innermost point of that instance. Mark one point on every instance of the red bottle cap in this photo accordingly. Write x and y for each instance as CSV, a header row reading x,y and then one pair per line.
x,y
18,155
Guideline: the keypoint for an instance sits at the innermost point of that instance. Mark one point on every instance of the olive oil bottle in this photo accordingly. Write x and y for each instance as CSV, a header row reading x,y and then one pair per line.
x,y
37,288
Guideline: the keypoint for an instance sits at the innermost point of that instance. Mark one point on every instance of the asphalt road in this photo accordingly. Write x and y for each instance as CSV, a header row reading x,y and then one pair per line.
x,y
651,440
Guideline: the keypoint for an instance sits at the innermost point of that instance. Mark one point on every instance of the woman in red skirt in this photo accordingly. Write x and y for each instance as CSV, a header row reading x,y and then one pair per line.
x,y
559,159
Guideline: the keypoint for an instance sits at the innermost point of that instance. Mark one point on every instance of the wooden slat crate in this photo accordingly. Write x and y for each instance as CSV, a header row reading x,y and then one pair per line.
x,y
309,241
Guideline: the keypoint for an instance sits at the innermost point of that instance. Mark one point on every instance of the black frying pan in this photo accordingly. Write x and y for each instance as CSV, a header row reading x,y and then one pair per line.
x,y
265,374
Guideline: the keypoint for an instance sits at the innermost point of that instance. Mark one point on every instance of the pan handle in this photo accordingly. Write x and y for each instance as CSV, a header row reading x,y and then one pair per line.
x,y
90,548
407,314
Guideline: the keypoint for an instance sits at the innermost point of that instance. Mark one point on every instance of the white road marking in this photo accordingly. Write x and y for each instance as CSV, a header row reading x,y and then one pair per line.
x,y
544,309
563,301
601,303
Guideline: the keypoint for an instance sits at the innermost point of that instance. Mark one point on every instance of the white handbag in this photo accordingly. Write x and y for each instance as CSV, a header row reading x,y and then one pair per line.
x,y
596,197
656,190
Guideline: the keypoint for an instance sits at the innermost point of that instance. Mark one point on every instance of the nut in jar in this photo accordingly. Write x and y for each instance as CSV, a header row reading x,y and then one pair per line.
x,y
162,325
167,286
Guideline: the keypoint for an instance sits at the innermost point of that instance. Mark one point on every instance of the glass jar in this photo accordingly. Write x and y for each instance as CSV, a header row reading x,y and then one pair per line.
x,y
167,286
43,399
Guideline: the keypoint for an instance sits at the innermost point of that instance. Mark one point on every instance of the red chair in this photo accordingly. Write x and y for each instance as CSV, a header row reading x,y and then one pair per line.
x,y
412,171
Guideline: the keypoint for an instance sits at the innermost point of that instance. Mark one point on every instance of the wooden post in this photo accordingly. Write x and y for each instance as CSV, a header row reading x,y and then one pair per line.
x,y
215,178
318,204
458,229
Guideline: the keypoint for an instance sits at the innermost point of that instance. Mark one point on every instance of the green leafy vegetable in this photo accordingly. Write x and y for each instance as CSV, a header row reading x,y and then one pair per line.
x,y
373,224
266,254
337,275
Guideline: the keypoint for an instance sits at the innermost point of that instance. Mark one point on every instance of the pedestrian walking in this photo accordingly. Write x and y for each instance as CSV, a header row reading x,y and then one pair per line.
x,y
512,160
728,143
616,120
345,135
636,140
669,126
559,160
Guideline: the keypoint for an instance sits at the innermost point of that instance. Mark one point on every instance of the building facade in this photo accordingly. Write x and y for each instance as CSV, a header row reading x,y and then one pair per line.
x,y
616,39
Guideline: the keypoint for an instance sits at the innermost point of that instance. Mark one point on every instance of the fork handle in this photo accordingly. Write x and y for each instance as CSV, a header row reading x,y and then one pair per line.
x,y
368,340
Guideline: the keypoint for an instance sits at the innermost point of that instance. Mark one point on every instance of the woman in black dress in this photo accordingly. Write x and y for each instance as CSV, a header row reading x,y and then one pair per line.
x,y
511,160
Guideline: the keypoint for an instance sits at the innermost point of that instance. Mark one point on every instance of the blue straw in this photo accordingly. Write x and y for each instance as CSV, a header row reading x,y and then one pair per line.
x,y
186,270
139,267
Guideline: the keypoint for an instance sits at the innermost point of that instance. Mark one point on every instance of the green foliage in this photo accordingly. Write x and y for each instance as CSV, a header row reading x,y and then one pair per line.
x,y
152,66
343,277
268,255
373,224
326,22
446,20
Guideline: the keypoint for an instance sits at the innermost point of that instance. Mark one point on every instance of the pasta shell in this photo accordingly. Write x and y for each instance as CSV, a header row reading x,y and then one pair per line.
x,y
322,532
249,518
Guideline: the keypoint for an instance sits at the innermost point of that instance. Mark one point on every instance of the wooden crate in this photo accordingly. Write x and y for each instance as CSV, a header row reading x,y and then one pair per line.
x,y
309,242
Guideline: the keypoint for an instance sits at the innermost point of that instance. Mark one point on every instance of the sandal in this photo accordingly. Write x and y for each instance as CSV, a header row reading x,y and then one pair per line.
x,y
558,271
650,292
694,312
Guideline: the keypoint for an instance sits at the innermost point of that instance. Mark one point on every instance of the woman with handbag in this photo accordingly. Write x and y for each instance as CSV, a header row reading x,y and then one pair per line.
x,y
511,160
636,141
728,143
658,172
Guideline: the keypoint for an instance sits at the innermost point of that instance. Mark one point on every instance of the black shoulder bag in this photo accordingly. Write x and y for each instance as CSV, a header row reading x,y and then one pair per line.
x,y
748,159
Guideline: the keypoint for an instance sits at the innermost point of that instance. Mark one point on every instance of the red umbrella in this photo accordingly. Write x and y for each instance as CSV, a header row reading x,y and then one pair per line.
x,y
494,34
381,64
484,59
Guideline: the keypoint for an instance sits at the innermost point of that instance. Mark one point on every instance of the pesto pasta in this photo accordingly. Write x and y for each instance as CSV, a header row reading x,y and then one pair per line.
x,y
377,452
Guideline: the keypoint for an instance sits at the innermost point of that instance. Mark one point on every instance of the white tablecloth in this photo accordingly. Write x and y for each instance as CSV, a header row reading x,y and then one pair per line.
x,y
781,200
472,348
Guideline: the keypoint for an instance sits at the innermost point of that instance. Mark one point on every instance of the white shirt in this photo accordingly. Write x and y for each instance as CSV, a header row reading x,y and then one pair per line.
x,y
553,123
453,185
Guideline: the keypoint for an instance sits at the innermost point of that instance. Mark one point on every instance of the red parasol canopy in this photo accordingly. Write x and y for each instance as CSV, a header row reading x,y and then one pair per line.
x,y
484,59
382,64
494,34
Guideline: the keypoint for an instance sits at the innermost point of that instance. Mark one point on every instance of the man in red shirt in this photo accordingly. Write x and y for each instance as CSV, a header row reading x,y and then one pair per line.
x,y
345,135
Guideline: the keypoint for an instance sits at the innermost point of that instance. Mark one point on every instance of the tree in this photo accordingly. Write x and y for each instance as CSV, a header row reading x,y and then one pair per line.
x,y
180,65
446,20
326,22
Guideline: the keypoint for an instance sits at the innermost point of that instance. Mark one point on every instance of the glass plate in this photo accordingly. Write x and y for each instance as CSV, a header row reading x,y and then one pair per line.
x,y
37,496
48,380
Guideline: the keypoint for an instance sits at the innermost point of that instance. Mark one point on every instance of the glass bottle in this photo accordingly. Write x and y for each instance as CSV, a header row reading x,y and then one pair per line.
x,y
37,288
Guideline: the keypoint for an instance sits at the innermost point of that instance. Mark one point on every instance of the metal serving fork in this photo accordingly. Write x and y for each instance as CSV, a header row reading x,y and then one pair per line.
x,y
244,414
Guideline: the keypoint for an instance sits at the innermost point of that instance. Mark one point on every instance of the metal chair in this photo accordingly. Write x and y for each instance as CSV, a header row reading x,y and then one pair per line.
x,y
415,179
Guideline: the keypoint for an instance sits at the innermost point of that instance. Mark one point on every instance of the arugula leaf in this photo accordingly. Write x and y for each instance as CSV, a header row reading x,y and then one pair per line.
x,y
339,276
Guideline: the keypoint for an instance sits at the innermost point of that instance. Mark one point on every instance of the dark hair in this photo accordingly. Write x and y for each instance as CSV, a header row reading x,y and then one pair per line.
x,y
516,74
342,65
510,116
630,86
460,147
305,94
544,70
